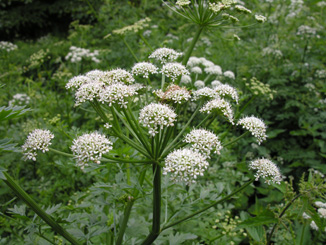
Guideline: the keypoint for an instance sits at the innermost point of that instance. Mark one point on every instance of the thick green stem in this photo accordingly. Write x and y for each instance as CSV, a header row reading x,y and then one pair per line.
x,y
280,216
209,206
40,212
123,225
192,45
163,81
156,206
61,153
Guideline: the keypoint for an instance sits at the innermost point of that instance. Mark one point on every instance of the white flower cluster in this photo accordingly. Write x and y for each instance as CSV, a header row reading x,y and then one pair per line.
x,y
321,212
321,74
256,127
260,18
306,31
203,142
220,105
242,9
117,93
165,55
196,70
76,54
229,74
204,93
199,84
90,148
185,79
136,27
267,170
321,4
156,115
272,52
7,46
19,99
106,86
215,83
144,69
37,140
174,70
214,70
185,165
225,89
182,3
173,93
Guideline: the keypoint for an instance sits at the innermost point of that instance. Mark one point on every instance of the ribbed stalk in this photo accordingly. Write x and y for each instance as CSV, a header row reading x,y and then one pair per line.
x,y
123,225
192,45
40,212
156,206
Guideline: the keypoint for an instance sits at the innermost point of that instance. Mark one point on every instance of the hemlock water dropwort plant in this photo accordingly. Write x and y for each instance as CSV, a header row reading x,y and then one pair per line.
x,y
158,126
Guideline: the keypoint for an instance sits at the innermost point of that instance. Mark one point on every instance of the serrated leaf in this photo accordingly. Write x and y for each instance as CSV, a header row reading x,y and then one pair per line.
x,y
52,209
21,210
12,112
257,221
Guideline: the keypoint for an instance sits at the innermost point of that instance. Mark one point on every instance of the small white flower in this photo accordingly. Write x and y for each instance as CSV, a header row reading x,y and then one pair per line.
x,y
156,115
182,3
174,70
320,204
314,226
204,93
185,165
256,127
144,69
8,46
185,79
196,70
118,76
220,105
260,18
174,93
305,216
215,83
267,170
77,54
88,92
165,55
37,140
90,148
95,75
242,9
19,99
199,84
117,93
322,212
206,63
193,61
229,74
214,70
203,141
225,89
107,126
77,81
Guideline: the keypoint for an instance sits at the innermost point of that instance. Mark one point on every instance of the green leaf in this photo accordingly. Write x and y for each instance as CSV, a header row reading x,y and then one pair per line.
x,y
2,176
273,133
6,146
257,233
11,112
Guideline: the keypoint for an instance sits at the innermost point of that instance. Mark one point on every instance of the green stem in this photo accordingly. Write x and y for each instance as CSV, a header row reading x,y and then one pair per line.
x,y
120,160
130,50
61,153
163,81
40,212
192,45
235,140
245,106
156,207
171,145
126,216
280,216
145,41
93,10
209,206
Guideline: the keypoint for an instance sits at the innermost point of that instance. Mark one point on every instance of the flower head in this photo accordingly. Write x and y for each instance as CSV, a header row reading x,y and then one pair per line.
x,y
185,79
213,70
203,141
225,89
193,61
37,140
174,93
156,115
88,92
165,55
266,169
256,127
199,84
204,93
260,18
117,93
182,3
8,46
219,105
196,70
229,74
242,9
118,76
77,81
144,69
215,83
90,148
174,70
185,165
